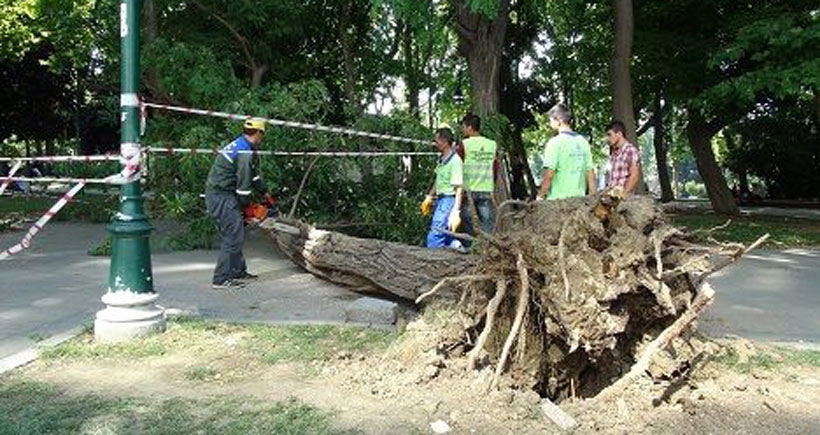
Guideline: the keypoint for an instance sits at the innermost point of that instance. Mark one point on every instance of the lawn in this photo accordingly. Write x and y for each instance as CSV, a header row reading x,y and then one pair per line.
x,y
36,408
206,358
785,232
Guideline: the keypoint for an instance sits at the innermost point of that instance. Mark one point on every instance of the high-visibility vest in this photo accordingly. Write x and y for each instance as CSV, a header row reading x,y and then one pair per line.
x,y
479,157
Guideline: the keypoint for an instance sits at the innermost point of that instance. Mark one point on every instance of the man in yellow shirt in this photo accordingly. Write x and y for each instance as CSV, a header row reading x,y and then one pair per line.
x,y
479,177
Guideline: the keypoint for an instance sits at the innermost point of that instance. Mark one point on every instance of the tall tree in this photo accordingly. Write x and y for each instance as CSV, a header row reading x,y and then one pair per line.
x,y
622,105
481,26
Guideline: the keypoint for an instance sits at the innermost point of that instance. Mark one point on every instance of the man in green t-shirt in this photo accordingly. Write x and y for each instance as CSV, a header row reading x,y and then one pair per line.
x,y
568,170
446,194
479,174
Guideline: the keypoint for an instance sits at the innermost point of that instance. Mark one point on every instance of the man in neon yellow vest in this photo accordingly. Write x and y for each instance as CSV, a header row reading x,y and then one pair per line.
x,y
479,179
568,171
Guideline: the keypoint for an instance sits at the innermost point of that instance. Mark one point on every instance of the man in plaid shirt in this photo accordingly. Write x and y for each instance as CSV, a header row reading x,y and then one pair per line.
x,y
624,159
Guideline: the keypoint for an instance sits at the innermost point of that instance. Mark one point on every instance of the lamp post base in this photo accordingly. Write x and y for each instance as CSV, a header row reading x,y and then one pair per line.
x,y
127,316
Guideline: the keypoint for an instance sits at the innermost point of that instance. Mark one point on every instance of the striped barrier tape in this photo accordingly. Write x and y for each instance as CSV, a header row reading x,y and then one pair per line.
x,y
171,151
11,174
114,179
291,124
26,241
54,159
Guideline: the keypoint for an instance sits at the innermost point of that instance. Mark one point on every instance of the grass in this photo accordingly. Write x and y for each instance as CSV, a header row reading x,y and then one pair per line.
x,y
201,373
770,359
36,408
785,232
87,208
264,343
37,336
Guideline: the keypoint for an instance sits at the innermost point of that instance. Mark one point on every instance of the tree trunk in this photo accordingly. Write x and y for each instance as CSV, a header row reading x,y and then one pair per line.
x,y
481,42
257,74
411,73
348,63
661,153
700,134
370,265
622,106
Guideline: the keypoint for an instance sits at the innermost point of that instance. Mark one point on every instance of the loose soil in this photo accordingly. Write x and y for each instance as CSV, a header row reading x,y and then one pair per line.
x,y
391,392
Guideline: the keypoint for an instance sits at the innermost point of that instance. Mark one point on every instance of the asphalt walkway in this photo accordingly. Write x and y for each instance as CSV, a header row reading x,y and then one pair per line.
x,y
54,287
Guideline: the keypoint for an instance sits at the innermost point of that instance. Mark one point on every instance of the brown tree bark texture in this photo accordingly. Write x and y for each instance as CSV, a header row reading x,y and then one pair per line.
x,y
370,265
622,105
700,136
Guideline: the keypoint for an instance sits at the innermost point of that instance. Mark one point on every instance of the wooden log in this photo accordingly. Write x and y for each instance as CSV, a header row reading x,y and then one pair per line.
x,y
368,265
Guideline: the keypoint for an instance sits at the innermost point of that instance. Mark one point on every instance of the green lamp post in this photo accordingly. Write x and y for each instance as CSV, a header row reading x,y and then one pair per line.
x,y
130,310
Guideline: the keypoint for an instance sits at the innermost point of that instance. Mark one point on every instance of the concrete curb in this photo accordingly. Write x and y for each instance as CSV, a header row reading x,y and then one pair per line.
x,y
29,355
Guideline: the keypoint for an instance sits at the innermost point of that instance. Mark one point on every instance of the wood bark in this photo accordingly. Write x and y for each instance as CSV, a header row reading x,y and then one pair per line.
x,y
369,265
700,133
662,152
622,105
481,42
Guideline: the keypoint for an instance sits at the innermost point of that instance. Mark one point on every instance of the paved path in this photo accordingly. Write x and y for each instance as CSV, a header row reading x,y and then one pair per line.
x,y
55,286
812,214
769,295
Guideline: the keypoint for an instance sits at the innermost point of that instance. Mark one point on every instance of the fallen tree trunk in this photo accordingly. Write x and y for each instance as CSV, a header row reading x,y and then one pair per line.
x,y
369,265
572,289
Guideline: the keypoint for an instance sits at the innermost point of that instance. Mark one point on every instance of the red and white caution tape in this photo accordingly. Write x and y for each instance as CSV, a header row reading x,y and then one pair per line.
x,y
114,179
291,124
207,151
54,159
11,174
26,241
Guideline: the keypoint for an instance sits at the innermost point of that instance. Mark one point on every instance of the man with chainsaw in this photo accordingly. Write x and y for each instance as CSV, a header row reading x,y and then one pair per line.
x,y
444,199
231,181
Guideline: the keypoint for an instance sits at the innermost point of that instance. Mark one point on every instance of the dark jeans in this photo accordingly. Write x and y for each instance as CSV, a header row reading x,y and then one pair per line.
x,y
225,209
484,210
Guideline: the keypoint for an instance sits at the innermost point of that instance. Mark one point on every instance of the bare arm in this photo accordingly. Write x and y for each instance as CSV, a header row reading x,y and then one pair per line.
x,y
591,183
459,192
546,183
634,177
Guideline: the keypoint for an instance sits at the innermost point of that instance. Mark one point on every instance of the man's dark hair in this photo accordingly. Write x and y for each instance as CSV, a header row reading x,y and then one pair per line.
x,y
472,121
561,113
249,131
617,127
446,134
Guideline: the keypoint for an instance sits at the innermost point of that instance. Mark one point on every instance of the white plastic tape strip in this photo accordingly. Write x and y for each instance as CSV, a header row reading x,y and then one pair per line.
x,y
11,174
291,124
114,179
53,159
26,241
208,151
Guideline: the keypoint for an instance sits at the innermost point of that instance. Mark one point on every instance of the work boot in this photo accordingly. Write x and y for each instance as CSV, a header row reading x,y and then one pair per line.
x,y
228,284
247,276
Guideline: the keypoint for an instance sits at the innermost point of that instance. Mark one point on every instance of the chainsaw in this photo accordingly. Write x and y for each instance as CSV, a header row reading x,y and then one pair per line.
x,y
256,212
266,215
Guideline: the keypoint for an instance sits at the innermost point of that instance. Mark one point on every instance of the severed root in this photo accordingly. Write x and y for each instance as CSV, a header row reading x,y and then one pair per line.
x,y
523,300
452,280
492,309
701,301
557,415
561,260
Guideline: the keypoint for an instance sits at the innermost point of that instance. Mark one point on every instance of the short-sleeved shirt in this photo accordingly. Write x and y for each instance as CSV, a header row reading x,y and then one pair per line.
x,y
570,156
620,161
479,158
449,174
